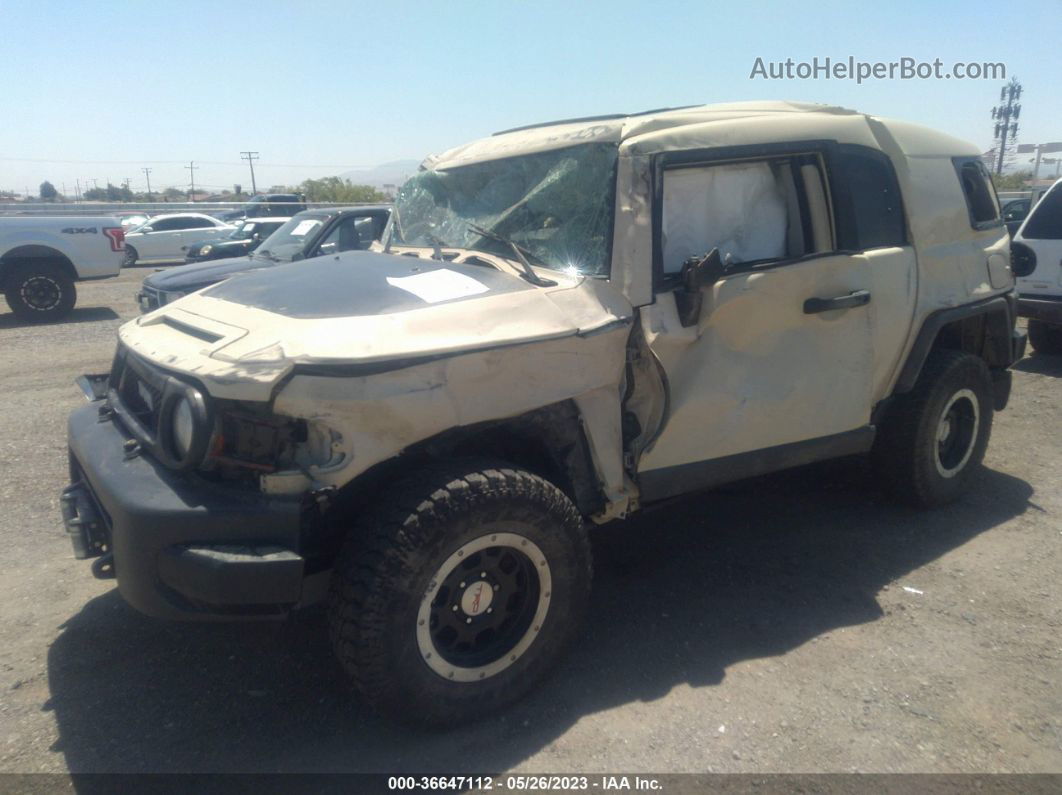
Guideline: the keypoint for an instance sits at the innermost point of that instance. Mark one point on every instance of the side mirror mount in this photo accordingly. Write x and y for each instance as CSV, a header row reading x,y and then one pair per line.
x,y
696,273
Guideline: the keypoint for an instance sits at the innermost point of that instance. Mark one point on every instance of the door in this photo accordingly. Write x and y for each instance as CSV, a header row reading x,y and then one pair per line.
x,y
157,243
779,366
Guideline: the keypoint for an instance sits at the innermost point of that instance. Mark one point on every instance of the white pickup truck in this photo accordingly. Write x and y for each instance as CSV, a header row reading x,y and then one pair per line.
x,y
42,257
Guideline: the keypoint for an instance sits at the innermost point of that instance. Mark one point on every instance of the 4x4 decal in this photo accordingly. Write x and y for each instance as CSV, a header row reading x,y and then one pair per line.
x,y
79,230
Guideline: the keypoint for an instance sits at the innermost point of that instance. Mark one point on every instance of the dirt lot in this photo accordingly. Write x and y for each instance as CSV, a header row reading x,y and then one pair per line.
x,y
795,623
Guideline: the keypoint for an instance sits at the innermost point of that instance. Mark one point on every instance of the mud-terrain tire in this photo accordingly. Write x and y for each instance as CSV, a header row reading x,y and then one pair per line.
x,y
457,594
130,257
935,436
1045,338
39,292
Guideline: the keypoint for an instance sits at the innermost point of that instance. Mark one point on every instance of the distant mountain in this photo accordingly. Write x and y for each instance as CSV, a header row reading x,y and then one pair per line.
x,y
393,173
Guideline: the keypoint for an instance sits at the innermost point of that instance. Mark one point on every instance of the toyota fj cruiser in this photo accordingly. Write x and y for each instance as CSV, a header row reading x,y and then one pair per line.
x,y
564,323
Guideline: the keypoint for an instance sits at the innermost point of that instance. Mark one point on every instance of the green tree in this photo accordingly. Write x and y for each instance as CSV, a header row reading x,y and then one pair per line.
x,y
336,189
1014,181
48,191
173,194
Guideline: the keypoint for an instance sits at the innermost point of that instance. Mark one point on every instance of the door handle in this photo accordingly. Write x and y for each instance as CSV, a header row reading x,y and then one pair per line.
x,y
815,305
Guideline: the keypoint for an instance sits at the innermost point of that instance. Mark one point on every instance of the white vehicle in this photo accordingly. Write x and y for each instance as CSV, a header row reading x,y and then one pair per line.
x,y
164,238
42,257
573,321
1037,256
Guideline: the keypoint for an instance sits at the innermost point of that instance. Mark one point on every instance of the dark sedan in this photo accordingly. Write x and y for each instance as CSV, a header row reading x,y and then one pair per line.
x,y
245,238
311,233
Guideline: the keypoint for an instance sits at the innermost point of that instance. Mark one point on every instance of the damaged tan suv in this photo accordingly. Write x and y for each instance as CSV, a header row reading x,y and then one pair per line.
x,y
564,323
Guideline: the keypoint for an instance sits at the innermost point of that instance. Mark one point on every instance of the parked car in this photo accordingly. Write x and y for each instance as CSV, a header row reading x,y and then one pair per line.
x,y
164,238
1014,212
131,220
286,204
308,234
574,321
41,259
242,240
1037,260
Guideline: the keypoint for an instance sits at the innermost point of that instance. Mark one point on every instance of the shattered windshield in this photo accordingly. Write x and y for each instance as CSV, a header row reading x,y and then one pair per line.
x,y
557,205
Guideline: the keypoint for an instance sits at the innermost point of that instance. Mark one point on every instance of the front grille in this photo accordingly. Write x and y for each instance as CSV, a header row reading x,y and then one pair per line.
x,y
138,389
149,299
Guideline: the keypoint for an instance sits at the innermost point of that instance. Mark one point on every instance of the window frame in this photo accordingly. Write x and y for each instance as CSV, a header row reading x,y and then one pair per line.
x,y
718,156
846,222
959,164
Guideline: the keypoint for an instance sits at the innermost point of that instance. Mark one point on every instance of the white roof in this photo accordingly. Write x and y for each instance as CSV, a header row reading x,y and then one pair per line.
x,y
913,139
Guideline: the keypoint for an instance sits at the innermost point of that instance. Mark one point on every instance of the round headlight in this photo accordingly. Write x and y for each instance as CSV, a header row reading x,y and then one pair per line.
x,y
183,427
206,249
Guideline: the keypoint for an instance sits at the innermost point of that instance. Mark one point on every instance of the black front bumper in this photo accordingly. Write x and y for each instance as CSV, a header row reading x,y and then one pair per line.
x,y
1048,310
181,547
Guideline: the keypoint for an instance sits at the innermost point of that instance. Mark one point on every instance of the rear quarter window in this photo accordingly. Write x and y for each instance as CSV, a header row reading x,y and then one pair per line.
x,y
981,201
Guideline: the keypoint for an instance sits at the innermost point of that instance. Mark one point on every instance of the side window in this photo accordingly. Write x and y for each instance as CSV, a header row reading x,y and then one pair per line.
x,y
344,236
166,225
197,223
1045,223
981,201
873,215
754,211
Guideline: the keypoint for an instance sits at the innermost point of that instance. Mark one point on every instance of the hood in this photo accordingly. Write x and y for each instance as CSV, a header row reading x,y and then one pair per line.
x,y
362,308
188,277
233,246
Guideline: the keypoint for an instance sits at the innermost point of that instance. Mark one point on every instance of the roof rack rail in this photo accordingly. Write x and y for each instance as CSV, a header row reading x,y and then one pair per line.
x,y
603,117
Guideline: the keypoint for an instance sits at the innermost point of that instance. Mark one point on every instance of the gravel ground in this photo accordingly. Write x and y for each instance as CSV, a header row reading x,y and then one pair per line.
x,y
796,623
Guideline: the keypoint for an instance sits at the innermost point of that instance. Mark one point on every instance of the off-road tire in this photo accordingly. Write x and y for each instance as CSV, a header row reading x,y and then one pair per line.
x,y
391,562
907,451
1045,338
130,257
39,292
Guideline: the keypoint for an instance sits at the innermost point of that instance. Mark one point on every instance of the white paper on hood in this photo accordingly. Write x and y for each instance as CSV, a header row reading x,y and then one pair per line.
x,y
440,285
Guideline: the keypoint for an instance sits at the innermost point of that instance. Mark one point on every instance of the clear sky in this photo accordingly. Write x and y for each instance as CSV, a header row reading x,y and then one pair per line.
x,y
321,87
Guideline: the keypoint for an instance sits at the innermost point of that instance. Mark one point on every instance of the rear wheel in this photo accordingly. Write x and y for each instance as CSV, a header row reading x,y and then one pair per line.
x,y
935,436
1045,337
40,292
131,254
456,597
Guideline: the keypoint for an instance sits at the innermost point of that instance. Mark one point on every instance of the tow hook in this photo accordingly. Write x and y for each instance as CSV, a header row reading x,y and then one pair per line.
x,y
323,496
103,567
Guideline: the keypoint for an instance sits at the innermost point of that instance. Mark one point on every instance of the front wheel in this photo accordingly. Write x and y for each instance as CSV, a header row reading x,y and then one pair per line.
x,y
130,258
460,593
1045,338
40,292
935,436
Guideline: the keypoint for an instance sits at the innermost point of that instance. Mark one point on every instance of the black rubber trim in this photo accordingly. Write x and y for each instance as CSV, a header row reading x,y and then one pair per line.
x,y
660,484
923,344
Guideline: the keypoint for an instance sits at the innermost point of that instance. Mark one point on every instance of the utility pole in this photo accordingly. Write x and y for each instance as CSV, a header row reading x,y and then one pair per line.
x,y
147,176
250,157
191,172
1006,117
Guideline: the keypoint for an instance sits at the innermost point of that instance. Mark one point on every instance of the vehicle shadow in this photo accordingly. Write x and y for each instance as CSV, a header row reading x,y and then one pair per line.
x,y
681,593
88,314
1041,364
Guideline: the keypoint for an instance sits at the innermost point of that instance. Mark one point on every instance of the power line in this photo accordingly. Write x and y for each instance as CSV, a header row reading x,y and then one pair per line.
x,y
250,157
191,173
178,162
